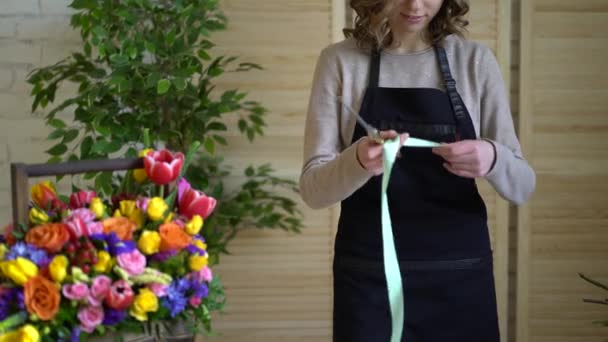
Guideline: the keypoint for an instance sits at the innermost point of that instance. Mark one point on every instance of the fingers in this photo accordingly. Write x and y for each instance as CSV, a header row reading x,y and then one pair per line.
x,y
460,172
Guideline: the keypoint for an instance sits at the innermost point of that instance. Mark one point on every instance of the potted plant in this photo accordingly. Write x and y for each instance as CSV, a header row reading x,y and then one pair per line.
x,y
148,64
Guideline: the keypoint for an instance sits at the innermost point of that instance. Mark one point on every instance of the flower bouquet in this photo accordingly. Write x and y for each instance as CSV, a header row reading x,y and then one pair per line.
x,y
88,266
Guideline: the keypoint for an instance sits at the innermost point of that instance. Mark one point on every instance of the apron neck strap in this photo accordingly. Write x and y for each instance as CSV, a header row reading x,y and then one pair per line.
x,y
450,85
374,68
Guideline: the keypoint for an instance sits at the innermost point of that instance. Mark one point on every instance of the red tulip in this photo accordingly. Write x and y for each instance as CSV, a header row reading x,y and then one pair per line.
x,y
120,295
194,202
81,199
163,166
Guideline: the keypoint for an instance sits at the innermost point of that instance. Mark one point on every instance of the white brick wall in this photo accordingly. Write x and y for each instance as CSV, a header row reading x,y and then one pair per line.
x,y
33,33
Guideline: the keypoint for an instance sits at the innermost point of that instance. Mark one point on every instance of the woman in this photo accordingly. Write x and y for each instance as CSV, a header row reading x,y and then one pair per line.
x,y
409,71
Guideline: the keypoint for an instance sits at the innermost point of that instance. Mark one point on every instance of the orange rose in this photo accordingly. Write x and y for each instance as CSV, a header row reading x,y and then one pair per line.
x,y
42,297
50,237
122,226
173,237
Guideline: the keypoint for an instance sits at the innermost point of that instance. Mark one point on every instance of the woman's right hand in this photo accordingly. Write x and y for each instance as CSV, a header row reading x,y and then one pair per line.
x,y
369,151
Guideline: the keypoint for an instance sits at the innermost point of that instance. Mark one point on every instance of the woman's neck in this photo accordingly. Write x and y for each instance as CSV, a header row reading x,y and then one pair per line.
x,y
409,43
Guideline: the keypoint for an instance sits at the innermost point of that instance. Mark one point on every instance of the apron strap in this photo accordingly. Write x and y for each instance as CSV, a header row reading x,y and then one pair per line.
x,y
463,120
374,69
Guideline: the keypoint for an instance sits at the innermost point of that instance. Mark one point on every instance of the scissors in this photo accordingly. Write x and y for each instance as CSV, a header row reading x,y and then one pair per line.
x,y
374,134
372,131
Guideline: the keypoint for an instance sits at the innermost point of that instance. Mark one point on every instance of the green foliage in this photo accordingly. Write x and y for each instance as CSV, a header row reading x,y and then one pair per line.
x,y
596,301
147,64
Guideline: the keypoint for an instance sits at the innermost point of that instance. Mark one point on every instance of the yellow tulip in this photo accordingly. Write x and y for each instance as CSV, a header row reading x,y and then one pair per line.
x,y
104,262
156,208
149,242
3,250
29,333
194,225
97,207
19,270
200,244
38,216
58,268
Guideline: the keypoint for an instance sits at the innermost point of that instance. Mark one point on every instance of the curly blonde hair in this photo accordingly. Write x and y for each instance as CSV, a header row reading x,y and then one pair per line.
x,y
372,26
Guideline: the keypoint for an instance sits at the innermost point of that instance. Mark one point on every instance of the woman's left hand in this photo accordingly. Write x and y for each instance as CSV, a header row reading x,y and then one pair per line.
x,y
467,158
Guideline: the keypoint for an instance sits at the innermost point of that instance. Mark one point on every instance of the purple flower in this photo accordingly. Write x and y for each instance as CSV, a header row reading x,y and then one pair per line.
x,y
27,251
11,300
163,256
200,289
176,299
113,244
75,337
113,317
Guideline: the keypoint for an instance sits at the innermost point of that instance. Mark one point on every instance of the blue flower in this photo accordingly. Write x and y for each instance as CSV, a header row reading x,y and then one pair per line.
x,y
30,252
113,244
113,316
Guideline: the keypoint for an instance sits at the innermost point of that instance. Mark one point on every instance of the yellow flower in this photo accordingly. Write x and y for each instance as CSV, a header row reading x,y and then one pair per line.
x,y
169,218
146,301
104,262
97,207
127,207
38,216
130,210
117,213
58,268
200,244
27,333
140,175
149,242
195,225
197,262
156,208
3,250
19,270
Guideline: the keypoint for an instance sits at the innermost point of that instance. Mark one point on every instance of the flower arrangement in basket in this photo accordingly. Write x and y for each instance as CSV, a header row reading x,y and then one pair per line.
x,y
85,266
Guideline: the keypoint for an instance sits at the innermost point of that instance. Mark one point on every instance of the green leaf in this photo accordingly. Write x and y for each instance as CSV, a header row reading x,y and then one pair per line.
x,y
70,135
170,37
163,86
215,71
57,150
216,126
100,32
150,47
210,146
152,79
57,123
180,83
56,134
85,147
221,140
203,55
103,182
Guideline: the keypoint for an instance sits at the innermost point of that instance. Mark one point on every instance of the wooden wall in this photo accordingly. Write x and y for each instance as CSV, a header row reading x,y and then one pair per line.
x,y
564,127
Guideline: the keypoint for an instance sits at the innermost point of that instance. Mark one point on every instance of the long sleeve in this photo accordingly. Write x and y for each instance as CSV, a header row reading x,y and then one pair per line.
x,y
512,177
330,171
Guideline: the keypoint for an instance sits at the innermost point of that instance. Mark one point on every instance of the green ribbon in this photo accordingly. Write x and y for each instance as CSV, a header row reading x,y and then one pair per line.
x,y
391,262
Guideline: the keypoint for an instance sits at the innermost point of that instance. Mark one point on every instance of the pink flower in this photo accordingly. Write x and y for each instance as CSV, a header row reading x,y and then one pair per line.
x,y
85,214
142,203
90,317
194,202
206,274
77,227
120,295
194,301
94,228
81,198
163,166
99,289
159,290
77,291
133,262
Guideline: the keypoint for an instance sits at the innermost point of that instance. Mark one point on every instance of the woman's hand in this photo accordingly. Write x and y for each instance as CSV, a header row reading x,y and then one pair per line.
x,y
467,158
369,152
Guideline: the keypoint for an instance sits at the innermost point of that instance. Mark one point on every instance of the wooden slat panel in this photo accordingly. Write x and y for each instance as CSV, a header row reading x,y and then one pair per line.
x,y
564,121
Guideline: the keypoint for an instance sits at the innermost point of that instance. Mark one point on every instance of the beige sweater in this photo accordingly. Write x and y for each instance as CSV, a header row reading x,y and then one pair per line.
x,y
331,171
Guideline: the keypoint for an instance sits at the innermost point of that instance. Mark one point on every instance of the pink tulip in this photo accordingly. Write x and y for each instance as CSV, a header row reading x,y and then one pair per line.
x,y
81,199
194,301
77,227
133,262
194,202
99,289
163,166
160,290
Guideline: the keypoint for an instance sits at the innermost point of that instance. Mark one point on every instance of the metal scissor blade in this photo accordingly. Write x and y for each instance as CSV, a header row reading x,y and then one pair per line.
x,y
371,130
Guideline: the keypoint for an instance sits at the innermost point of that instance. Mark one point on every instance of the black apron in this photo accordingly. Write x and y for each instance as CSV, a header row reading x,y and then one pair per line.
x,y
439,224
